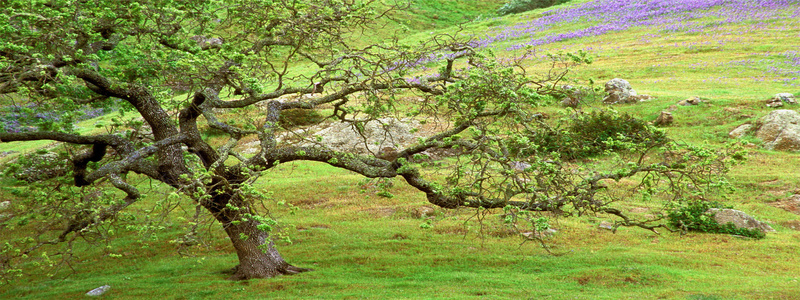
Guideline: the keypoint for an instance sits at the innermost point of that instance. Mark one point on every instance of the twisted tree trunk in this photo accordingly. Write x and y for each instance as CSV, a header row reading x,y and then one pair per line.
x,y
258,257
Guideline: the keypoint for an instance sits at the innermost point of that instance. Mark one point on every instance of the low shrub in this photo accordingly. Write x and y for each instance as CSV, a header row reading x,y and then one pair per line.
x,y
694,216
299,117
590,134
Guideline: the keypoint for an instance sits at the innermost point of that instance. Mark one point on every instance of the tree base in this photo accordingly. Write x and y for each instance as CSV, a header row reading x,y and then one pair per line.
x,y
238,273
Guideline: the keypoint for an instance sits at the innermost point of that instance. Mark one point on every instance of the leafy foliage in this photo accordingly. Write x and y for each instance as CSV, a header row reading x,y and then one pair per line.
x,y
590,134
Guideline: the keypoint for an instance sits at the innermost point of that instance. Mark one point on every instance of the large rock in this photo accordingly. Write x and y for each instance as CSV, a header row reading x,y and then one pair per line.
x,y
41,166
376,136
620,91
739,219
780,130
741,131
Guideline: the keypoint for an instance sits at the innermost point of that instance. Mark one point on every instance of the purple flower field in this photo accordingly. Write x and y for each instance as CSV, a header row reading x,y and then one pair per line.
x,y
662,19
23,118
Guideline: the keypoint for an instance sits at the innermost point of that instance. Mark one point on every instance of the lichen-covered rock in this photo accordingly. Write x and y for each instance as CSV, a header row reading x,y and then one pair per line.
x,y
620,91
740,131
380,137
780,99
786,98
691,101
780,130
369,137
738,218
40,166
664,119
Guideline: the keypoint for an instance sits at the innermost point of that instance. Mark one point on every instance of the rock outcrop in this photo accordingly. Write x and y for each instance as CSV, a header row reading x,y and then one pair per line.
x,y
781,98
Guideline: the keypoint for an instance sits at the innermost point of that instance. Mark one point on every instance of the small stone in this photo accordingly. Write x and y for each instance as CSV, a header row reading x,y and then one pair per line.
x,y
786,98
540,234
4,205
665,118
99,291
519,166
774,103
606,225
691,101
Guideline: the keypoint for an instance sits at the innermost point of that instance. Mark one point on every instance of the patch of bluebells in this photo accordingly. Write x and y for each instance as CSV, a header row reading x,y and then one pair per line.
x,y
25,118
705,17
606,16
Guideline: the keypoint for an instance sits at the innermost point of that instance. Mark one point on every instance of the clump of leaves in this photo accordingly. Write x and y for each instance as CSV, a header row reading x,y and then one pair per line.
x,y
590,134
299,117
695,216
518,6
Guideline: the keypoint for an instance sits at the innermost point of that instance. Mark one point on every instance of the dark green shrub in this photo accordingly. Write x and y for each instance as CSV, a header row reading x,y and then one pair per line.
x,y
299,117
518,6
589,134
694,216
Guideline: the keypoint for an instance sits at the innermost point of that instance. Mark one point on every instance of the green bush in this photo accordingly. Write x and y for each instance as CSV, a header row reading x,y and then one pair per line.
x,y
299,117
694,216
518,6
590,134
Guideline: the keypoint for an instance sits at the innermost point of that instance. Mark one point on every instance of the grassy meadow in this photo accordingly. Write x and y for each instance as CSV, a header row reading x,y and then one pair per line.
x,y
363,246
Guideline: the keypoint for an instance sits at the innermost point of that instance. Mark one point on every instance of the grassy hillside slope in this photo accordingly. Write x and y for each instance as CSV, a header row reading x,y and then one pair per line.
x,y
732,54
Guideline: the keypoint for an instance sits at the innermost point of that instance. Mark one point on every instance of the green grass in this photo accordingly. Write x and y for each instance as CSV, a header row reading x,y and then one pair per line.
x,y
365,246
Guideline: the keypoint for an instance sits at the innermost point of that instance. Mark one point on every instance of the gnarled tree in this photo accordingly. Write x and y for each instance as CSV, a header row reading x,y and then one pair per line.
x,y
181,66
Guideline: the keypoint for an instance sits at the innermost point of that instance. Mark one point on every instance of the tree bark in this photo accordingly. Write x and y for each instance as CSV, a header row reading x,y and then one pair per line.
x,y
258,257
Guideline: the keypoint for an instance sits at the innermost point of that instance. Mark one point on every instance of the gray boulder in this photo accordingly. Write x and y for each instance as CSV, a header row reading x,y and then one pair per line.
x,y
380,137
620,91
780,130
374,136
738,218
41,166
740,131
